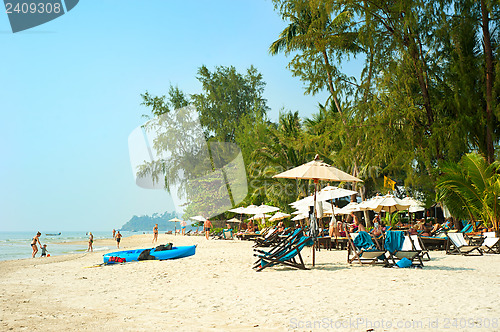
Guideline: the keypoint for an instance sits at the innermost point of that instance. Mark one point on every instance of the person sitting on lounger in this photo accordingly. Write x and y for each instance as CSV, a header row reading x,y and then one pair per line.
x,y
281,226
377,229
358,226
250,227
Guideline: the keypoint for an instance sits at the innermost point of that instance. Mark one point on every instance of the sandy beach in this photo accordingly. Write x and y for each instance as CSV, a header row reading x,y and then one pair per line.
x,y
217,290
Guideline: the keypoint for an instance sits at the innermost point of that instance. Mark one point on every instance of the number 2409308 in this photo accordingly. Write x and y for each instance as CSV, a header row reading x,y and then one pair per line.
x,y
33,7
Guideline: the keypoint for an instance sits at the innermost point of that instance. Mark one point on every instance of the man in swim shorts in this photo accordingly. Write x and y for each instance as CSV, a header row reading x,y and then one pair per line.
x,y
118,238
207,225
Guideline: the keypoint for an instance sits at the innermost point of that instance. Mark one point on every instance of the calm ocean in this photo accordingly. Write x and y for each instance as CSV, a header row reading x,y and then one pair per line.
x,y
16,245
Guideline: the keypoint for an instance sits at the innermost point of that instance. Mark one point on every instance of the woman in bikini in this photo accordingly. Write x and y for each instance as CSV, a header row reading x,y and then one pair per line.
x,y
155,233
33,244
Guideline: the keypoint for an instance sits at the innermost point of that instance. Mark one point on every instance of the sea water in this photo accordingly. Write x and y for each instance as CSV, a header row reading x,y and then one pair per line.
x,y
17,245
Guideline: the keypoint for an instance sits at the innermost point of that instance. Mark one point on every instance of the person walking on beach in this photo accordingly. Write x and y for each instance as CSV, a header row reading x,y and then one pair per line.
x,y
114,234
33,244
207,225
155,233
91,241
118,238
183,227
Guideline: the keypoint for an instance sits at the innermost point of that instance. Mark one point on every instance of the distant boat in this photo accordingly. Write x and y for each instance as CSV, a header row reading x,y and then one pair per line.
x,y
53,234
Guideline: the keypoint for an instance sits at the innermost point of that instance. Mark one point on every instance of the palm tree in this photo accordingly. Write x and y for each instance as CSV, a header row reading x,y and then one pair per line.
x,y
470,189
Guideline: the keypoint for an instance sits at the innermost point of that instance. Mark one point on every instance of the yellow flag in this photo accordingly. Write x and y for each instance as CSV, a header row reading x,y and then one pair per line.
x,y
388,183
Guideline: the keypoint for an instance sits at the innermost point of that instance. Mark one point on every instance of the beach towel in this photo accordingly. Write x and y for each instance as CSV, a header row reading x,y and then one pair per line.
x,y
364,241
394,241
404,262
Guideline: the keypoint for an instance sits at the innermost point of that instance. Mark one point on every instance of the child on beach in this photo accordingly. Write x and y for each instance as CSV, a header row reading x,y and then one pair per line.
x,y
44,251
118,238
33,244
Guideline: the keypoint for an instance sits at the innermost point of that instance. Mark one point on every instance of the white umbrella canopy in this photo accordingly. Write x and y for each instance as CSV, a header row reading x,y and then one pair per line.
x,y
279,216
330,192
239,210
261,209
317,170
260,216
351,207
299,217
198,218
415,205
389,203
234,220
175,219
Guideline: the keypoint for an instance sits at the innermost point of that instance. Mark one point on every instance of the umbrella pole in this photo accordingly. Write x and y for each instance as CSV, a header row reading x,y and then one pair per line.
x,y
315,220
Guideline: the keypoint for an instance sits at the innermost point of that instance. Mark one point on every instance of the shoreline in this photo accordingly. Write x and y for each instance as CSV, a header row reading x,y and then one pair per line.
x,y
216,289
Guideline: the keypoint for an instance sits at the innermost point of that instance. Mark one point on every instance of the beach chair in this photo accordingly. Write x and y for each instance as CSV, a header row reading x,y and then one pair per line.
x,y
267,239
290,257
417,244
399,246
227,234
361,249
491,243
280,247
457,245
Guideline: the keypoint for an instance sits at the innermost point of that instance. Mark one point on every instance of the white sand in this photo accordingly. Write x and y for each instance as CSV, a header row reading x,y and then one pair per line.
x,y
217,290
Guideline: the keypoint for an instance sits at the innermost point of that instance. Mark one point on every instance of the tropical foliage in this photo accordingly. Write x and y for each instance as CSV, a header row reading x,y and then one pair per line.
x,y
470,189
427,94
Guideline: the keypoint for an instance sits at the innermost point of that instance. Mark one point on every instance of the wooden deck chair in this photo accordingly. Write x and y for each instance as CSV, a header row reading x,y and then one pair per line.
x,y
408,249
417,244
290,257
457,245
267,239
280,247
491,243
369,256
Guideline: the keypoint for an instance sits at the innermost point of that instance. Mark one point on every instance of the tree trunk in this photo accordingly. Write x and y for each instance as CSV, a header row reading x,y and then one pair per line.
x,y
488,55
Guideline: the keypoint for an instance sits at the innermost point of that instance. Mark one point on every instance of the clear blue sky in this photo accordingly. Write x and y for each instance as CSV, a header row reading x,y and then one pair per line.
x,y
70,96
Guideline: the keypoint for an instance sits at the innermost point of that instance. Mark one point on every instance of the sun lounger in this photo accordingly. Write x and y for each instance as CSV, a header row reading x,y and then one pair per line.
x,y
266,240
397,250
363,250
416,242
491,243
227,234
290,257
458,246
282,246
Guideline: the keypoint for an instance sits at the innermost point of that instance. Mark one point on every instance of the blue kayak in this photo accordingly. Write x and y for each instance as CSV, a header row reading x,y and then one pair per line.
x,y
133,255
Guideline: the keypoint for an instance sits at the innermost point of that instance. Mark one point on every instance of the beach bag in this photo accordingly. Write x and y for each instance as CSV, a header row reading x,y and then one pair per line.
x,y
404,262
145,256
163,247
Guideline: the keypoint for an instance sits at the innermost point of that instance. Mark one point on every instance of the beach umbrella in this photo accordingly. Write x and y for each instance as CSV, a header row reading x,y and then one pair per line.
x,y
239,210
415,205
299,217
261,209
316,170
279,216
234,220
199,218
260,216
389,203
330,193
351,207
175,219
